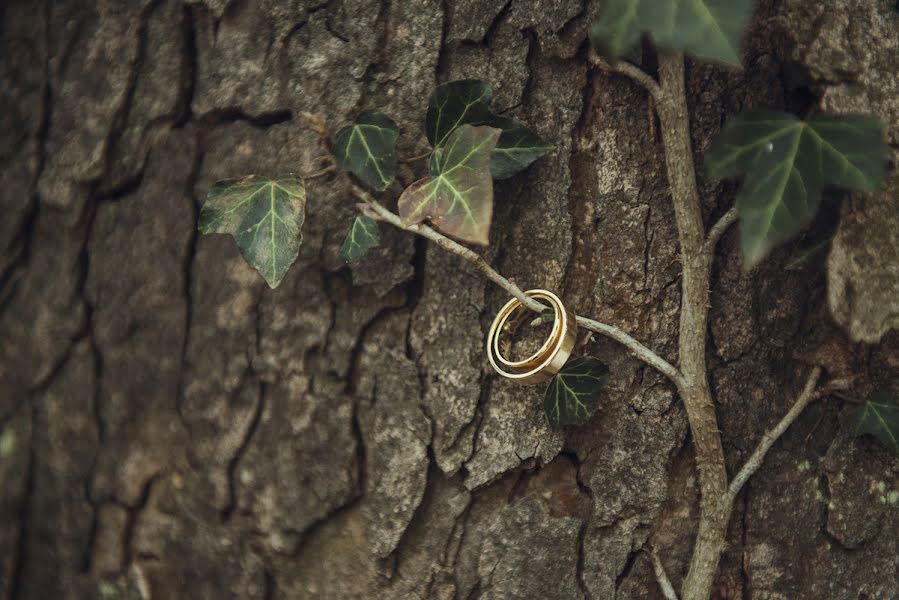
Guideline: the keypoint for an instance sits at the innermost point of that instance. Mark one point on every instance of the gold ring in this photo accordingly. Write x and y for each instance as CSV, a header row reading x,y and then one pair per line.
x,y
506,323
550,358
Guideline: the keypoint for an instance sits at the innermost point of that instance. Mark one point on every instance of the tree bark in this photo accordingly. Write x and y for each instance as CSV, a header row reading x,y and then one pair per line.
x,y
171,428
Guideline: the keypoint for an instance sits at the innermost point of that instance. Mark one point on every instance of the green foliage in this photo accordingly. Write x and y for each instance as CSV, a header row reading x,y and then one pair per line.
x,y
367,148
809,255
517,148
265,218
467,102
458,195
573,393
362,237
709,29
456,103
879,416
787,163
7,442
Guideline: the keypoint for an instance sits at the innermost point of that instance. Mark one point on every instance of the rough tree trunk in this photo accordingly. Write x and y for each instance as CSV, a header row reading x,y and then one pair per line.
x,y
171,428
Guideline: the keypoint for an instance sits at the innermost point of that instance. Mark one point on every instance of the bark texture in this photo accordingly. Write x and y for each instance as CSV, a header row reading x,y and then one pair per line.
x,y
171,428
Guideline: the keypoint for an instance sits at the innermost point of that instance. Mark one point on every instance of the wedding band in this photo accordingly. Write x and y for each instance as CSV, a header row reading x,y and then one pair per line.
x,y
551,356
506,322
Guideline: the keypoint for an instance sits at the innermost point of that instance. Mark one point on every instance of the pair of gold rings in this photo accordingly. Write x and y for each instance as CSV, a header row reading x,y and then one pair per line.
x,y
551,356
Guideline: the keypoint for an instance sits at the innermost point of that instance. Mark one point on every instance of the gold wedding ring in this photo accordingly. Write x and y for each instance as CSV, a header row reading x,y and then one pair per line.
x,y
551,356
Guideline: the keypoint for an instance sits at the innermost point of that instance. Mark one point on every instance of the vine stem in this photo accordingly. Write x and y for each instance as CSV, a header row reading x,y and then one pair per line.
x,y
638,75
375,210
755,460
718,229
806,397
697,251
696,260
662,577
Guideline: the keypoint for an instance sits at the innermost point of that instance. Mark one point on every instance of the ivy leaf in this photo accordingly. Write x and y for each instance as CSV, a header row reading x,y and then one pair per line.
x,y
362,237
707,28
517,147
573,392
879,416
454,104
787,163
367,148
808,255
265,217
458,196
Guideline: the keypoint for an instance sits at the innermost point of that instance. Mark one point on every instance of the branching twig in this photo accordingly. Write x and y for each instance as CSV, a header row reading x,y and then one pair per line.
x,y
378,212
635,73
662,577
718,229
807,395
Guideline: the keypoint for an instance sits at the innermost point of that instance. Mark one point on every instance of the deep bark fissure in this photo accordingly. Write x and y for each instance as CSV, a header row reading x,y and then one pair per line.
x,y
133,514
583,264
581,542
20,245
744,538
24,515
231,506
123,111
187,267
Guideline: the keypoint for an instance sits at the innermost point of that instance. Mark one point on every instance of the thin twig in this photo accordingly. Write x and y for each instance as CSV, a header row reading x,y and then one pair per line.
x,y
718,229
758,456
373,209
321,172
662,577
637,349
632,71
415,158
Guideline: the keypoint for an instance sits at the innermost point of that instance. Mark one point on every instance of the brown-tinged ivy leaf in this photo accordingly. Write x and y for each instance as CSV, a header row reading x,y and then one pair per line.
x,y
367,148
456,103
710,29
458,195
573,392
265,217
787,163
517,148
362,237
879,416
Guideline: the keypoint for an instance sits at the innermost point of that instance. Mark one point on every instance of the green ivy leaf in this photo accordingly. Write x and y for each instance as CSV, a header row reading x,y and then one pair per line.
x,y
367,148
517,147
707,28
265,218
787,163
808,255
362,237
573,393
458,196
456,103
879,416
